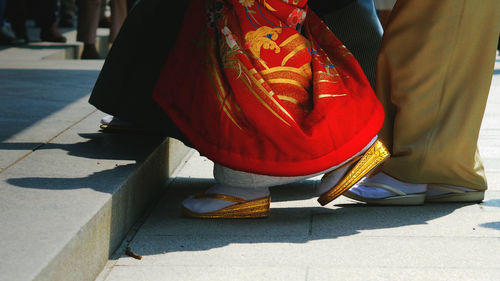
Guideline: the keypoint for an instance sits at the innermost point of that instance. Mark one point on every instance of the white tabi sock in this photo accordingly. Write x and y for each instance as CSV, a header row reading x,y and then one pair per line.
x,y
338,172
331,180
367,187
106,119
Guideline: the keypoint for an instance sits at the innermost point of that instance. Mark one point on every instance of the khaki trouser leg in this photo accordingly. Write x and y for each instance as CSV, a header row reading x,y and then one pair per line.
x,y
433,77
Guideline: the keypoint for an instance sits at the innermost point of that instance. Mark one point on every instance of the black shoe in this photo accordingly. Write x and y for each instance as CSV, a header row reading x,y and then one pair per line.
x,y
105,22
52,34
7,35
21,33
90,53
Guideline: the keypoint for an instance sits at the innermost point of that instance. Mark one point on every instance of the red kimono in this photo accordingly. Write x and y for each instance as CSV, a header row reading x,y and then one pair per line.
x,y
263,86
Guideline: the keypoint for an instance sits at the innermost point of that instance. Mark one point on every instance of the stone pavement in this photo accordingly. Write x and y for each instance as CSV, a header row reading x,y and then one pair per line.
x,y
68,192
303,241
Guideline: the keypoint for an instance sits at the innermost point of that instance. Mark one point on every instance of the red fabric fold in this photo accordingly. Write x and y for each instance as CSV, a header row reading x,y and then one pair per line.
x,y
265,87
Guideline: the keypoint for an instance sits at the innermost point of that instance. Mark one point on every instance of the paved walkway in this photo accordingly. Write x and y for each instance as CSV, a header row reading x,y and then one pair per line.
x,y
303,241
68,193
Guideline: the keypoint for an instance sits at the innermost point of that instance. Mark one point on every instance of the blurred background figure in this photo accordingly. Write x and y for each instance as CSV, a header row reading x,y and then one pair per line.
x,y
384,8
44,12
7,36
118,13
105,19
67,13
89,16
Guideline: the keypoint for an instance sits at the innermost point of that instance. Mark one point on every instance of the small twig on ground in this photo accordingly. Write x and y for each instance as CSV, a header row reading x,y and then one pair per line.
x,y
132,254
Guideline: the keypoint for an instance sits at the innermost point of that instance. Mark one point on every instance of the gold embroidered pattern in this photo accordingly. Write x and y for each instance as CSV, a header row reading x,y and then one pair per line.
x,y
247,3
290,39
263,37
304,71
222,96
326,81
287,98
331,95
344,50
285,81
328,73
269,7
268,92
262,62
292,53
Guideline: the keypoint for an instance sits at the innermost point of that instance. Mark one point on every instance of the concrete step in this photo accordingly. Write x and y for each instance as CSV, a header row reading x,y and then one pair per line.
x,y
68,192
38,50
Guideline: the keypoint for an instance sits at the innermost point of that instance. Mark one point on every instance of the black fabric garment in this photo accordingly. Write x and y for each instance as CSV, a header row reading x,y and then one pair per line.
x,y
2,12
17,12
131,4
358,26
125,84
325,7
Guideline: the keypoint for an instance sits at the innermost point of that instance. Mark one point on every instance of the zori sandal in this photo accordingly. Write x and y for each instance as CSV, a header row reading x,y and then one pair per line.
x,y
438,193
400,198
257,208
374,156
382,189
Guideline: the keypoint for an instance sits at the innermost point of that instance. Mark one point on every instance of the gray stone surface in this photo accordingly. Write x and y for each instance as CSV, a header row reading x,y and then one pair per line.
x,y
199,273
303,241
37,104
69,193
397,273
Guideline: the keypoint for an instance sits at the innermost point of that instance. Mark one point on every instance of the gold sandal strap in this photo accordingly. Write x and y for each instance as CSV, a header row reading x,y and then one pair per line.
x,y
386,187
373,157
220,197
350,162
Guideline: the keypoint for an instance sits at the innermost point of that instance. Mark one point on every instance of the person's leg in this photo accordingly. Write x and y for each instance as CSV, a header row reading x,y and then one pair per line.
x,y
118,14
67,13
104,19
46,16
104,6
7,36
88,21
433,78
16,13
2,12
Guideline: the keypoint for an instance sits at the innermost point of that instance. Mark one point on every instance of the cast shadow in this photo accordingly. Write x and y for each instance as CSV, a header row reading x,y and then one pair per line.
x,y
98,181
28,96
293,219
98,146
492,225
